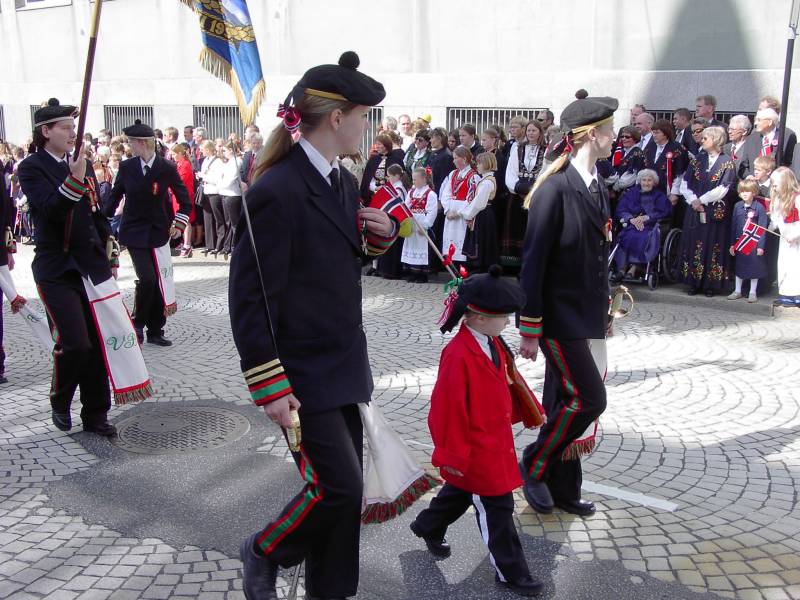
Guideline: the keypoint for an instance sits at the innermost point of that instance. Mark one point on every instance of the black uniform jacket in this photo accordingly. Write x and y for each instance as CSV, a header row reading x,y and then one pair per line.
x,y
680,160
6,212
68,235
565,260
147,216
751,149
310,252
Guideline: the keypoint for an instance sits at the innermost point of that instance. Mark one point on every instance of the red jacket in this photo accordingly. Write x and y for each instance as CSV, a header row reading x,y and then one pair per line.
x,y
187,176
470,419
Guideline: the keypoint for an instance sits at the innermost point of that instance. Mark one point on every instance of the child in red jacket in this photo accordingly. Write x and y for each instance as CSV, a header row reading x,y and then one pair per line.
x,y
470,422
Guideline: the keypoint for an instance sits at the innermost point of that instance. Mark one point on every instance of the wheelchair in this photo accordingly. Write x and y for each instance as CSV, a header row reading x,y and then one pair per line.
x,y
665,266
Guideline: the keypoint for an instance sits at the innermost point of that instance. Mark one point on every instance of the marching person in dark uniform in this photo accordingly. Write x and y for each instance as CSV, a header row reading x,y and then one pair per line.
x,y
310,240
148,224
8,246
565,278
71,236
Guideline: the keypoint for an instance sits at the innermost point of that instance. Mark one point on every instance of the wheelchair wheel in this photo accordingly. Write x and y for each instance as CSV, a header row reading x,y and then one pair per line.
x,y
670,256
652,280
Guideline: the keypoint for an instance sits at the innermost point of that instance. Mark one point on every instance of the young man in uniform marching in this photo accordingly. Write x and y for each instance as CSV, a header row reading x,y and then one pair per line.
x,y
147,226
565,278
299,277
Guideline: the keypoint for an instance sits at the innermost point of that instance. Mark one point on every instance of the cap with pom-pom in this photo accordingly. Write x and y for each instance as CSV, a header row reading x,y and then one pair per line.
x,y
342,81
53,111
139,131
488,294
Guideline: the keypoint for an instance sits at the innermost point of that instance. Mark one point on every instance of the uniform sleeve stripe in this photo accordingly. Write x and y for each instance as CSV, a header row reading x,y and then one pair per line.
x,y
531,320
252,380
261,368
274,390
72,189
181,217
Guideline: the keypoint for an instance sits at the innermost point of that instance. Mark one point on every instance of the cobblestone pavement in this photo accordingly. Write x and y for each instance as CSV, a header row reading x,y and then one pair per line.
x,y
696,476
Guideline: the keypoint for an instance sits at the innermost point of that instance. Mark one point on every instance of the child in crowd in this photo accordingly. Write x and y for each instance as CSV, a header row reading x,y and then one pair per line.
x,y
763,166
458,190
752,266
423,203
470,422
784,215
389,265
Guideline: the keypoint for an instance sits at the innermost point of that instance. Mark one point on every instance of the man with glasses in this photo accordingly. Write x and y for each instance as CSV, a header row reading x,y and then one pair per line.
x,y
764,142
738,129
546,118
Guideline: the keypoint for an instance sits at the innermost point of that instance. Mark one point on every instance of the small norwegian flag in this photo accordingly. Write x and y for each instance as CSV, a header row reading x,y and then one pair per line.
x,y
389,200
751,235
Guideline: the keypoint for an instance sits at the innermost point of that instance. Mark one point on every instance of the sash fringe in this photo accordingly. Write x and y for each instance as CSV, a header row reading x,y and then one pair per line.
x,y
136,395
386,511
579,448
170,309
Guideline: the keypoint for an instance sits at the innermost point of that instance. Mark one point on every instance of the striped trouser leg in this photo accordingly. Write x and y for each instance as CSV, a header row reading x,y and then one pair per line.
x,y
495,516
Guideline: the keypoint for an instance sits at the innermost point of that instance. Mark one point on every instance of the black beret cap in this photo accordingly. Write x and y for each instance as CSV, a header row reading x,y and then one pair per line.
x,y
341,82
139,130
53,111
488,294
588,112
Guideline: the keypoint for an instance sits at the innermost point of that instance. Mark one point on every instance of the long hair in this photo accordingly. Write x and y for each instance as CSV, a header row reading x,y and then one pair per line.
x,y
784,190
557,165
313,110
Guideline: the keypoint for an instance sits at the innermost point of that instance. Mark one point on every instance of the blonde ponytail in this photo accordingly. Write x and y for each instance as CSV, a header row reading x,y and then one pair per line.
x,y
557,165
313,109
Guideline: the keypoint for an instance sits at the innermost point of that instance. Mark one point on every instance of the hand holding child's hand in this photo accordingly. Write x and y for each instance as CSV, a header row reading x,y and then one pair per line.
x,y
453,471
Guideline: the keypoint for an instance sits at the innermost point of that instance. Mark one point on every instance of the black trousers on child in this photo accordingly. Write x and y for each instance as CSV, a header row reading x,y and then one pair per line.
x,y
77,357
574,396
322,524
148,303
495,516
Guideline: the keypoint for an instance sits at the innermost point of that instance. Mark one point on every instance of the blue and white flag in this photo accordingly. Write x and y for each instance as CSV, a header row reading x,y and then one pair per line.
x,y
230,51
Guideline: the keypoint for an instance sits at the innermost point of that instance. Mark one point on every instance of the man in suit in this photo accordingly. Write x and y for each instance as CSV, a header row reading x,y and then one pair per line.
x,y
682,121
705,107
636,111
644,123
738,130
147,224
295,306
565,278
764,142
249,159
71,237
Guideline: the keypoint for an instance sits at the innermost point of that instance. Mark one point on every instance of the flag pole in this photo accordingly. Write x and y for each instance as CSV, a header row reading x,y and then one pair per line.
x,y
87,75
452,273
787,76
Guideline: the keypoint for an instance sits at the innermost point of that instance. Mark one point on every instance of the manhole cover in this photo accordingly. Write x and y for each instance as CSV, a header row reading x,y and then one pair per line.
x,y
180,430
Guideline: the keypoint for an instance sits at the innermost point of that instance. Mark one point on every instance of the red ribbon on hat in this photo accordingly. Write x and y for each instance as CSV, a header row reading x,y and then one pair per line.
x,y
290,116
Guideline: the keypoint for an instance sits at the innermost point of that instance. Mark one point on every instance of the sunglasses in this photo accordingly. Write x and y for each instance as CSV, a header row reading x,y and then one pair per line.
x,y
625,137
697,131
540,120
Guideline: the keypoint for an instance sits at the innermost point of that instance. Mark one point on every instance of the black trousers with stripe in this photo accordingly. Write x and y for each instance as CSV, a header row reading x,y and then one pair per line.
x,y
574,396
77,358
495,517
148,303
322,524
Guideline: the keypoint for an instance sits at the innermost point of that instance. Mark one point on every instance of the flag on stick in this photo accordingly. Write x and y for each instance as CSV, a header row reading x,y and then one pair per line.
x,y
230,52
751,235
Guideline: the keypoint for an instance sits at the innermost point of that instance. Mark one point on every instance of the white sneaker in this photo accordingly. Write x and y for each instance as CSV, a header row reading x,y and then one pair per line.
x,y
735,296
752,299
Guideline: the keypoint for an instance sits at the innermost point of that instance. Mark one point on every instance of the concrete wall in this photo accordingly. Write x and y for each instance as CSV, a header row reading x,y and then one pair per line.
x,y
429,54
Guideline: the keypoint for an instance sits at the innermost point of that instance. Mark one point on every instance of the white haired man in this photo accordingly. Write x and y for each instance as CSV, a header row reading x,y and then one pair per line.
x,y
764,142
738,130
644,123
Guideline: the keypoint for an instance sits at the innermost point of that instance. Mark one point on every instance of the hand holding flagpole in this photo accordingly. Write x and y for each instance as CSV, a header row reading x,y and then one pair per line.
x,y
87,76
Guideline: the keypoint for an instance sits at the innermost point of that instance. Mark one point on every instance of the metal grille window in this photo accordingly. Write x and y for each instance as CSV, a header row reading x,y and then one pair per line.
x,y
481,118
118,116
375,119
218,121
2,125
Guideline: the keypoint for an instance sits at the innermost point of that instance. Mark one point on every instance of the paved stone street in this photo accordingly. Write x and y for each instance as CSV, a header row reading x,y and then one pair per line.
x,y
696,476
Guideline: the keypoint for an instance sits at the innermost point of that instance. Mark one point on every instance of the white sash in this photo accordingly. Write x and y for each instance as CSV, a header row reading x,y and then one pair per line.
x,y
166,278
393,480
37,321
121,351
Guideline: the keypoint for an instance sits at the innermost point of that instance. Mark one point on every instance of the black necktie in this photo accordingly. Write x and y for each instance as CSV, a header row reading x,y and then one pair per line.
x,y
336,184
146,170
494,352
595,190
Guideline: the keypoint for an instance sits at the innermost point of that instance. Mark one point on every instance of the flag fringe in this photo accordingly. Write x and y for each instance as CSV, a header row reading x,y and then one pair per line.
x,y
189,3
579,448
385,511
221,69
136,395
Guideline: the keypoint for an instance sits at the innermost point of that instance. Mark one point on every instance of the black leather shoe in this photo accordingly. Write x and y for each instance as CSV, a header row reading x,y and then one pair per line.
x,y
438,548
576,507
692,292
259,574
524,587
709,293
158,340
103,428
538,495
62,421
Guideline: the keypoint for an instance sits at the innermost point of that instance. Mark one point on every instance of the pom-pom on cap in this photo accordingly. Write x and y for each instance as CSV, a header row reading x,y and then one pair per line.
x,y
341,81
491,294
139,130
496,271
53,111
349,60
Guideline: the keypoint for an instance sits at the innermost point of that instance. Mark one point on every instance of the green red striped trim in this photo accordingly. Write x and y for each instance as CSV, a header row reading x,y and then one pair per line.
x,y
565,416
377,244
267,382
530,327
296,514
72,188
